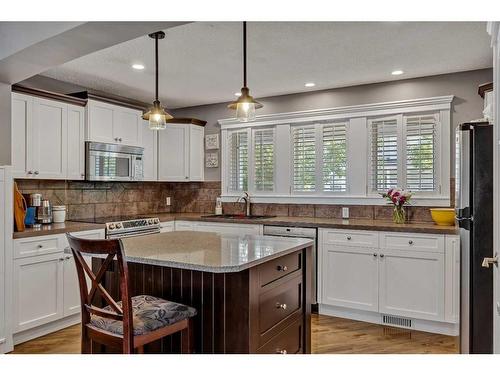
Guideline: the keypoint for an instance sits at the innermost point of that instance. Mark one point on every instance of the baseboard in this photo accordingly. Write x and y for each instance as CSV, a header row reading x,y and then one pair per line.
x,y
443,328
6,345
45,329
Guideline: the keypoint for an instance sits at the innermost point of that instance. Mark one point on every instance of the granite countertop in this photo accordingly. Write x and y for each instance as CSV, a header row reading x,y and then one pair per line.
x,y
207,251
314,222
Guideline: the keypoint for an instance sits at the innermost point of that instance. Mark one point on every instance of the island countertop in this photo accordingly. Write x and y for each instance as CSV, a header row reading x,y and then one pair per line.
x,y
209,252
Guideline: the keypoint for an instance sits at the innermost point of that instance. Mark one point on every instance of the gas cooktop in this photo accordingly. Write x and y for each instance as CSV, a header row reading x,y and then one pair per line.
x,y
110,219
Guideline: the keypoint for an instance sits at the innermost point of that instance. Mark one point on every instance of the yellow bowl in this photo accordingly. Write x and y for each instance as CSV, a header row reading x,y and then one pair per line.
x,y
443,216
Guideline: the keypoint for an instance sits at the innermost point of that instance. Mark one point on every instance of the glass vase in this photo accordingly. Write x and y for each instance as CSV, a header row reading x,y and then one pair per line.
x,y
399,215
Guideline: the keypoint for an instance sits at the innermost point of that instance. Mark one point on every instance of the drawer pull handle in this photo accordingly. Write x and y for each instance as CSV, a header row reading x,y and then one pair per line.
x,y
375,255
348,238
410,242
281,305
381,255
40,246
282,268
282,351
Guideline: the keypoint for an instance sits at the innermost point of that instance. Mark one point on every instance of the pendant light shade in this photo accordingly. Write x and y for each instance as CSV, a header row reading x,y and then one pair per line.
x,y
245,106
156,115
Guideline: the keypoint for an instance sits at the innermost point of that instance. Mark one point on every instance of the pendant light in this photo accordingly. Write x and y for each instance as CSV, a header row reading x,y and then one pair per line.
x,y
245,106
156,115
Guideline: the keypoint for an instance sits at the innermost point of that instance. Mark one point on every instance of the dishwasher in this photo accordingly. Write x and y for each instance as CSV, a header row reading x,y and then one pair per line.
x,y
311,233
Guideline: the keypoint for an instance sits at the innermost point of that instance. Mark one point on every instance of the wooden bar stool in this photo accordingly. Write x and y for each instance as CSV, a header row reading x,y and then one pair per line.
x,y
132,322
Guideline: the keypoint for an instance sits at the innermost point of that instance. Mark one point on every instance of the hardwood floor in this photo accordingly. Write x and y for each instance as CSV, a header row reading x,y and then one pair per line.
x,y
329,336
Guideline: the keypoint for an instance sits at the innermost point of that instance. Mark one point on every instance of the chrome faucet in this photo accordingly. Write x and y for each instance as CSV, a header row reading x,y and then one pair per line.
x,y
245,197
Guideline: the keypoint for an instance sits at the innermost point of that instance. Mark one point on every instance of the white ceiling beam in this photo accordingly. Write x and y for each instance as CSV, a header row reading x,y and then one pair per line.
x,y
70,44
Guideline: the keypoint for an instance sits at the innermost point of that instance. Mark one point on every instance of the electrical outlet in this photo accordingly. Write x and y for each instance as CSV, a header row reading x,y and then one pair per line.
x,y
167,201
345,212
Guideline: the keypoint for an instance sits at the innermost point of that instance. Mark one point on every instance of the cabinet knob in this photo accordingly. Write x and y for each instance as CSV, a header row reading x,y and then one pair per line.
x,y
348,238
61,259
381,255
68,257
282,351
281,306
116,139
40,246
120,139
36,172
375,255
30,172
410,242
282,268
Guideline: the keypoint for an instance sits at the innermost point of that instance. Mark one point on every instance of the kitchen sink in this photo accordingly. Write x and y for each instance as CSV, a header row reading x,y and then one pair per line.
x,y
242,217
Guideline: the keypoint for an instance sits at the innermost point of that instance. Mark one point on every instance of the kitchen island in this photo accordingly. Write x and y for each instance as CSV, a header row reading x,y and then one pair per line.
x,y
252,293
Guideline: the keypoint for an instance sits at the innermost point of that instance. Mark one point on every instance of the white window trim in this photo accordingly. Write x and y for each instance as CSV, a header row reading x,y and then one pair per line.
x,y
358,189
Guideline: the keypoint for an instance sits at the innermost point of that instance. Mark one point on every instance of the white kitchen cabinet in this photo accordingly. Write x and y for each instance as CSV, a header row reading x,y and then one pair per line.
x,y
109,123
38,291
411,284
184,225
167,226
48,137
150,156
49,142
180,153
76,143
350,277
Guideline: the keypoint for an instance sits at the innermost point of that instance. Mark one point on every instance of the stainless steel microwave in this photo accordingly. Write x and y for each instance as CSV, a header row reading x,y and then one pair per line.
x,y
110,162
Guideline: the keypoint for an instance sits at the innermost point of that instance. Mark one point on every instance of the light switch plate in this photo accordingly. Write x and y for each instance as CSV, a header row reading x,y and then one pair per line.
x,y
345,212
167,201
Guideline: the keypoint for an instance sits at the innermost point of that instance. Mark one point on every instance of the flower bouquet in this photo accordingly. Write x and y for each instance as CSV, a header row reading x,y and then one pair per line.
x,y
398,198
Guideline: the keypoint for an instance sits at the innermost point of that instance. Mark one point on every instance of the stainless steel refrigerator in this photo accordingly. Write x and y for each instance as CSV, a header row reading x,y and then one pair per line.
x,y
474,203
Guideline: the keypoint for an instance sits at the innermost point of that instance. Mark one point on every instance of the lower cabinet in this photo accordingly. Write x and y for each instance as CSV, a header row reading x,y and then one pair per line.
x,y
403,275
46,286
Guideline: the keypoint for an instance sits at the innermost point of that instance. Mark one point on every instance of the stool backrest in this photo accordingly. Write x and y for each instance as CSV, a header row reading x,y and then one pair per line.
x,y
109,250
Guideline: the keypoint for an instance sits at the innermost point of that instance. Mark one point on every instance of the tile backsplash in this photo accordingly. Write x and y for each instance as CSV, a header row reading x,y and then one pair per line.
x,y
99,199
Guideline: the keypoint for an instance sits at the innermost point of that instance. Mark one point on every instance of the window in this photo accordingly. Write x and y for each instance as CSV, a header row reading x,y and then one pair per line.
x,y
334,158
384,154
304,158
263,141
420,153
238,160
407,161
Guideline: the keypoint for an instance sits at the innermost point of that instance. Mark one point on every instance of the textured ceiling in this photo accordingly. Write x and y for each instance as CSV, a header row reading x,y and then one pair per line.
x,y
200,63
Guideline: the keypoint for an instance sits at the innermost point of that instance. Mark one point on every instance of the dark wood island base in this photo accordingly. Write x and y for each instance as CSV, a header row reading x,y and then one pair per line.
x,y
263,309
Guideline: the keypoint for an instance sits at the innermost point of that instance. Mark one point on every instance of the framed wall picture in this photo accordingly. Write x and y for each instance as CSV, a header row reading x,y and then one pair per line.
x,y
212,142
212,159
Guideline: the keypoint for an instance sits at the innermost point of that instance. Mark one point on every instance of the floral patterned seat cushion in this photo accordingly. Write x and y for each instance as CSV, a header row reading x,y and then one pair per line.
x,y
150,313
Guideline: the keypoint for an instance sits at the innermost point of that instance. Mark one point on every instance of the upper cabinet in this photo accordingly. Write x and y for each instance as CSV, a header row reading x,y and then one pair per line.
x,y
42,133
180,153
109,123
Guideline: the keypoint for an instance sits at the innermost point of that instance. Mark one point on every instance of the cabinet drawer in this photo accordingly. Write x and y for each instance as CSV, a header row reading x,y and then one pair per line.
x,y
350,238
27,247
277,268
279,302
412,241
288,341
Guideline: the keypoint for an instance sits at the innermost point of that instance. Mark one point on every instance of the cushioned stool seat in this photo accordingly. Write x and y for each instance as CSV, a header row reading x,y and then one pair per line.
x,y
149,314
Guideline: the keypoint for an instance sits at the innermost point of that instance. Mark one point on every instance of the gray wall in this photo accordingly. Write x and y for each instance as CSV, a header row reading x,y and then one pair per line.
x,y
5,104
466,106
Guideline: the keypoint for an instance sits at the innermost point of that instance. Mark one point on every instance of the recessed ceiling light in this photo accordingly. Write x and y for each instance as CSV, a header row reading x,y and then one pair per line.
x,y
138,66
397,72
237,94
309,84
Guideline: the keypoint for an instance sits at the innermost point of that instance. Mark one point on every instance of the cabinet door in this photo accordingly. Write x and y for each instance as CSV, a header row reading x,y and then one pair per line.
x,y
21,122
411,284
38,291
76,143
127,126
150,156
196,153
173,155
349,277
100,122
50,126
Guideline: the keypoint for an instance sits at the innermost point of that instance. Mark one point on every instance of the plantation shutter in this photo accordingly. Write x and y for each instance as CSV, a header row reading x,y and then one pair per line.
x,y
264,159
238,161
420,151
384,154
304,158
334,158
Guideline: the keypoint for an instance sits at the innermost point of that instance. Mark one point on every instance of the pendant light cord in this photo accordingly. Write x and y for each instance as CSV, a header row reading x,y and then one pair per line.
x,y
244,54
156,62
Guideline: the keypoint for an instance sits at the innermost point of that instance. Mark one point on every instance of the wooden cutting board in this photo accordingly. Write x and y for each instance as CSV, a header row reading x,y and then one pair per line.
x,y
19,209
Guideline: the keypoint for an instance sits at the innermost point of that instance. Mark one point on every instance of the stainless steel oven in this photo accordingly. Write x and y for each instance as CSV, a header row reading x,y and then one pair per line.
x,y
110,162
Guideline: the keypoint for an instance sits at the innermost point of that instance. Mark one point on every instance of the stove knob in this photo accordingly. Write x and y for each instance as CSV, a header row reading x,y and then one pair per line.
x,y
157,221
150,221
111,226
118,225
